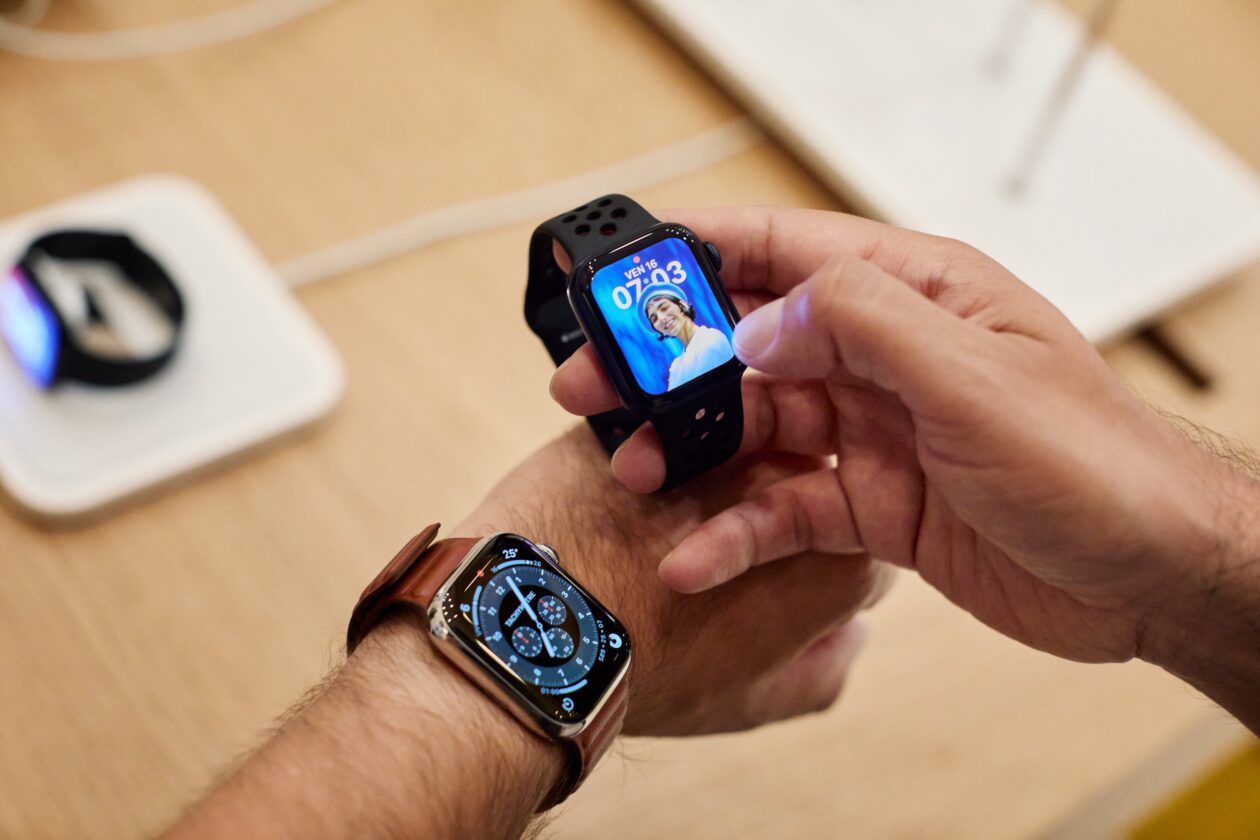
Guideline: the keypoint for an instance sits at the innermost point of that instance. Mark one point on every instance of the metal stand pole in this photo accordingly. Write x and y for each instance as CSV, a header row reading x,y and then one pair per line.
x,y
1052,111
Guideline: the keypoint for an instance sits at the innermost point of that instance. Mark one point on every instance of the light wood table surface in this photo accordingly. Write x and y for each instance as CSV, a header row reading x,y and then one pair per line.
x,y
142,652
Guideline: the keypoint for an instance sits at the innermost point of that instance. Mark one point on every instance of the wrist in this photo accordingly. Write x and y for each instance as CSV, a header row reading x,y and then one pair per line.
x,y
395,745
431,723
1209,635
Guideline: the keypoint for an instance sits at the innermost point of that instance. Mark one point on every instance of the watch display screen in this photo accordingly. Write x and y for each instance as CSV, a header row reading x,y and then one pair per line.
x,y
29,326
662,312
518,613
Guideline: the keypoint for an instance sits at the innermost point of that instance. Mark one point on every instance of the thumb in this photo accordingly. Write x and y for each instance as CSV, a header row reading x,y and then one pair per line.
x,y
852,317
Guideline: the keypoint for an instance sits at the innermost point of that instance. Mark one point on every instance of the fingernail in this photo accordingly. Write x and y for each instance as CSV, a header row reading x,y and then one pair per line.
x,y
859,632
849,640
755,334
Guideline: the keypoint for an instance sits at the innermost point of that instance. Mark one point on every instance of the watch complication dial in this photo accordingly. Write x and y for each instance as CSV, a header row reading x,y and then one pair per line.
x,y
537,624
560,642
552,610
527,641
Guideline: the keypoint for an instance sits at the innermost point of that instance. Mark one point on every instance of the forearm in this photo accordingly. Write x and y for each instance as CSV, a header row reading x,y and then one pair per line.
x,y
397,745
1211,639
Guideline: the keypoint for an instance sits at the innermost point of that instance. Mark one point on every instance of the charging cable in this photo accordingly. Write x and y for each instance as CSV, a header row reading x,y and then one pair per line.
x,y
690,155
18,35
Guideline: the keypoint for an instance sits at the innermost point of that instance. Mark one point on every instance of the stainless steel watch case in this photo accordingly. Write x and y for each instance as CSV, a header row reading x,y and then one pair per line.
x,y
502,687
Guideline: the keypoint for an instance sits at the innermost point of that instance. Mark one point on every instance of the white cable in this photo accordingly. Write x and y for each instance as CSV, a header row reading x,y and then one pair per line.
x,y
17,35
691,155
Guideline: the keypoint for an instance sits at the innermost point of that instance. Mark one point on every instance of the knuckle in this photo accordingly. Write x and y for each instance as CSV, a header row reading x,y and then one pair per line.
x,y
838,279
951,250
840,269
741,537
802,527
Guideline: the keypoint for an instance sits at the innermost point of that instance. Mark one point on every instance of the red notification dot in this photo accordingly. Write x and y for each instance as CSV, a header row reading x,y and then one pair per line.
x,y
636,259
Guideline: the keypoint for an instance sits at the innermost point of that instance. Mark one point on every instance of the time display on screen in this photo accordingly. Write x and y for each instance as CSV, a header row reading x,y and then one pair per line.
x,y
642,276
521,614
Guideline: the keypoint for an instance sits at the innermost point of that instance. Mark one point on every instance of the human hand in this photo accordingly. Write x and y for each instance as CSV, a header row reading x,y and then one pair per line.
x,y
777,643
980,439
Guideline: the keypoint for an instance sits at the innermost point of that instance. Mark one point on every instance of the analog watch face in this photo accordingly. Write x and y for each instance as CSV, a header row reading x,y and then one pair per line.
x,y
519,613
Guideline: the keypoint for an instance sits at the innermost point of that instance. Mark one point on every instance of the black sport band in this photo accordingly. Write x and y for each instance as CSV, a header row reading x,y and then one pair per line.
x,y
701,433
582,233
696,435
137,268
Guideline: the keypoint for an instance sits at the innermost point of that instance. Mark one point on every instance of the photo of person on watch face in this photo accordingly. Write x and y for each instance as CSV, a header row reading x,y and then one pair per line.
x,y
704,348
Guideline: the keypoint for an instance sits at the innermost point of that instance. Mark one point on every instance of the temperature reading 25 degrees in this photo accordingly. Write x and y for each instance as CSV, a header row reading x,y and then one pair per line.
x,y
641,277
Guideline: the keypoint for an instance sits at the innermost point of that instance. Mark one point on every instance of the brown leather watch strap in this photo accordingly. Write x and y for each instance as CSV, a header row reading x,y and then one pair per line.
x,y
411,580
593,741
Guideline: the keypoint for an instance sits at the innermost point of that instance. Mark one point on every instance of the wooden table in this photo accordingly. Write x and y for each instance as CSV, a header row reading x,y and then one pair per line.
x,y
140,653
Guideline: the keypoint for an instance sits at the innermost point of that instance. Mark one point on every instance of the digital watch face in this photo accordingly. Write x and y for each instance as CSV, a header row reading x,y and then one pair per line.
x,y
30,328
662,312
520,615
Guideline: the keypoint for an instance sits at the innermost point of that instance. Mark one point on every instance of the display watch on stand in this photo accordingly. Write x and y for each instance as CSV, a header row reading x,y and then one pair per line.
x,y
47,340
505,613
648,297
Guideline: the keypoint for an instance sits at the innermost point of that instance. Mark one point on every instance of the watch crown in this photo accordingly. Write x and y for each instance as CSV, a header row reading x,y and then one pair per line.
x,y
715,256
550,552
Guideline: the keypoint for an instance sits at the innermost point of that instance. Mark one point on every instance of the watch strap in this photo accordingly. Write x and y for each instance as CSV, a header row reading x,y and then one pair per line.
x,y
589,745
702,433
411,579
582,232
136,267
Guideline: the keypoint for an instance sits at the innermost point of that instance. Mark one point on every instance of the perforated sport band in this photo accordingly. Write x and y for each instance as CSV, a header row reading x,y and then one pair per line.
x,y
582,233
701,433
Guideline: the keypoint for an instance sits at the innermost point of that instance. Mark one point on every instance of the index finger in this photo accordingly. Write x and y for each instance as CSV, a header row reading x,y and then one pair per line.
x,y
773,249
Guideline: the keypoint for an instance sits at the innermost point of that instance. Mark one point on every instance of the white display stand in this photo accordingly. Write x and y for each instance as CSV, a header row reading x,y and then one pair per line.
x,y
1131,208
251,365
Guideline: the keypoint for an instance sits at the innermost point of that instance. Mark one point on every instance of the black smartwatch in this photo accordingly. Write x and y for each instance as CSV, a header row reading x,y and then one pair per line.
x,y
43,338
647,295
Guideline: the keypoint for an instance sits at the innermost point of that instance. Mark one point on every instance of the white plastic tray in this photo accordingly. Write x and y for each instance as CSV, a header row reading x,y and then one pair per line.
x,y
252,364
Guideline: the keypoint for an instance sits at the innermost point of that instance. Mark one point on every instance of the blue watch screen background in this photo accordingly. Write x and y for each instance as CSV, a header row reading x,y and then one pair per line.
x,y
663,281
29,327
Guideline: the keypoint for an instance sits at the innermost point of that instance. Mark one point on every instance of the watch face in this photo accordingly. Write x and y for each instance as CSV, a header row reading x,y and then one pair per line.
x,y
29,326
522,617
668,319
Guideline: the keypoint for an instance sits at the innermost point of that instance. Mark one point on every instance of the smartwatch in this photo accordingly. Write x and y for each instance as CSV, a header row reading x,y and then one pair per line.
x,y
509,618
647,295
46,339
